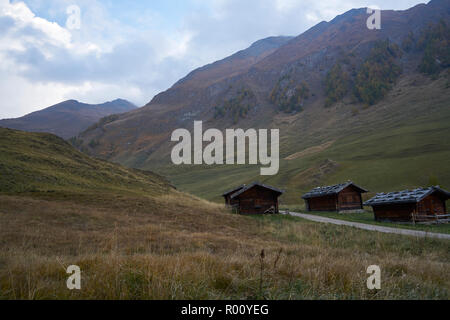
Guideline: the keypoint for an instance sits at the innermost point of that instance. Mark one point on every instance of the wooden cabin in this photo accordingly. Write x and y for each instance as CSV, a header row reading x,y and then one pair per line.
x,y
405,206
255,198
343,198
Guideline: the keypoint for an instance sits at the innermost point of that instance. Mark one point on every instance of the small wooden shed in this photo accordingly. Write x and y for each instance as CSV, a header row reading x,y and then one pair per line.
x,y
421,204
344,198
255,198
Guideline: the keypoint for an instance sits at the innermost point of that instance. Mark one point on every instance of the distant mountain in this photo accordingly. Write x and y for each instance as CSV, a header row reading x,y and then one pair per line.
x,y
349,103
67,119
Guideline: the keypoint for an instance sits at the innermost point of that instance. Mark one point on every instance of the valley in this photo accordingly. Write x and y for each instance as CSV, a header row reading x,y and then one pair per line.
x,y
350,104
137,237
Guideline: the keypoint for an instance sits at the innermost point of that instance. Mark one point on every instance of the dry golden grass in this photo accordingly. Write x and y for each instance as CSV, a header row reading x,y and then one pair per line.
x,y
180,247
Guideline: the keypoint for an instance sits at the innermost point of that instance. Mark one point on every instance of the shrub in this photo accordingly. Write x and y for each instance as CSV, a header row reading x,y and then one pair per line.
x,y
336,85
237,107
94,143
435,42
288,96
378,73
409,42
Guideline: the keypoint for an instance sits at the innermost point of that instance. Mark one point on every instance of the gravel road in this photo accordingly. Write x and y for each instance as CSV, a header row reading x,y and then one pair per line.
x,y
415,233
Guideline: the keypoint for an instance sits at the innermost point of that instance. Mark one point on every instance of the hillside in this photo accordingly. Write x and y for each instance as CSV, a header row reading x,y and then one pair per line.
x,y
350,103
67,119
234,65
44,163
398,144
135,237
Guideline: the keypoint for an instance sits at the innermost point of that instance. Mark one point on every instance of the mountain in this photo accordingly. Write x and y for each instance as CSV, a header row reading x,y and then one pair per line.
x,y
350,103
234,65
67,119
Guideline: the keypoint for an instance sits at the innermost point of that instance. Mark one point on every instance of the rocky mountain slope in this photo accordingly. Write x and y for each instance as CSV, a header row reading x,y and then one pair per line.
x,y
334,87
67,119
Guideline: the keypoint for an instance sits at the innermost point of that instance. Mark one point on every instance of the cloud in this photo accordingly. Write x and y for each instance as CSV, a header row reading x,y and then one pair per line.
x,y
102,61
133,50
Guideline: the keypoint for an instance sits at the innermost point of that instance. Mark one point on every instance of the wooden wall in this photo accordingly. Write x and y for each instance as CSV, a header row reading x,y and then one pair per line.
x,y
430,206
394,212
350,199
230,202
327,203
257,200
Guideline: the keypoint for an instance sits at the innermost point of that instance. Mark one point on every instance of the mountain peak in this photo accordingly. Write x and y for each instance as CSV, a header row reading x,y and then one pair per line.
x,y
68,118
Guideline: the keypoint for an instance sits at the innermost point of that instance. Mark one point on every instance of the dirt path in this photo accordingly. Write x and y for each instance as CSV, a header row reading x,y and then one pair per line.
x,y
416,233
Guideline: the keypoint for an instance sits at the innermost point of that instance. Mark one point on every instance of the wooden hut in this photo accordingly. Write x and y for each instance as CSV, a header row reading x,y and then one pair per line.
x,y
255,198
344,198
419,205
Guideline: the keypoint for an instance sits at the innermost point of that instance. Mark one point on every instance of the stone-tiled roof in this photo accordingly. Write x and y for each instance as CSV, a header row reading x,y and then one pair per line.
x,y
254,184
330,190
406,196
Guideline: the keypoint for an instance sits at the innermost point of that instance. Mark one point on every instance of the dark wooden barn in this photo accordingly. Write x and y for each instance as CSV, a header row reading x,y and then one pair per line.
x,y
410,205
345,197
255,198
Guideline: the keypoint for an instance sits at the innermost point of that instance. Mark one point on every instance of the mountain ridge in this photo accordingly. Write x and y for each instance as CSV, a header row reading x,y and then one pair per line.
x,y
257,51
68,118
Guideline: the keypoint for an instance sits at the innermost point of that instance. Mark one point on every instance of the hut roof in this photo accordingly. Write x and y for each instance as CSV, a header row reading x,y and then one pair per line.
x,y
406,196
330,190
233,190
254,184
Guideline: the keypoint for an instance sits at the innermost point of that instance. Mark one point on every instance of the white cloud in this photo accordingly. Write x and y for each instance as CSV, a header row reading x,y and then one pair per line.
x,y
20,96
43,63
24,18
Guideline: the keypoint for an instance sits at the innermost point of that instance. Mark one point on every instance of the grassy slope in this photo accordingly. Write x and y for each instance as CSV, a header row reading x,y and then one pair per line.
x,y
40,162
397,144
164,248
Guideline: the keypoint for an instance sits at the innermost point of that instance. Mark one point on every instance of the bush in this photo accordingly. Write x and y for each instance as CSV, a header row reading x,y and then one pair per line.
x,y
288,96
435,42
94,143
237,107
409,42
336,85
378,73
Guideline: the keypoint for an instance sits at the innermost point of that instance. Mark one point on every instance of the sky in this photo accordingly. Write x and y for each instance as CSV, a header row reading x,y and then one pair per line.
x,y
134,49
